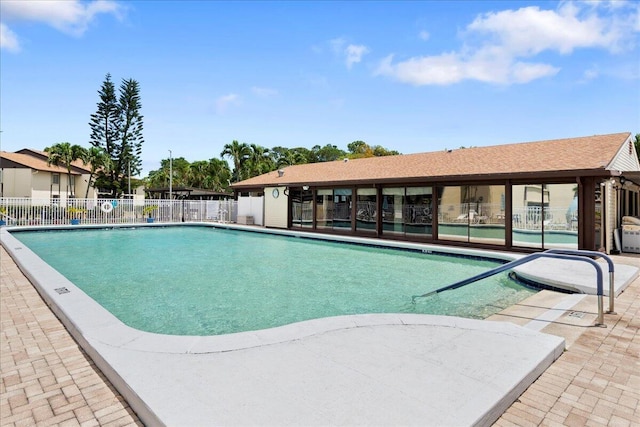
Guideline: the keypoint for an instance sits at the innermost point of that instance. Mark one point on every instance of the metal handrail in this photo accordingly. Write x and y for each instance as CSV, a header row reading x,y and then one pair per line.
x,y
524,260
597,255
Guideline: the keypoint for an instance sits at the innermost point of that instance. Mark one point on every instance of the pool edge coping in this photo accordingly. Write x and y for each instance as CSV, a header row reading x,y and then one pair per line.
x,y
83,314
93,327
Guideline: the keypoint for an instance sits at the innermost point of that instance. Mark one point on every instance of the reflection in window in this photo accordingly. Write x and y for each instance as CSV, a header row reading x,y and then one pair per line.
x,y
453,220
407,211
418,209
486,214
301,207
324,209
342,198
392,208
366,210
545,216
560,224
526,211
472,213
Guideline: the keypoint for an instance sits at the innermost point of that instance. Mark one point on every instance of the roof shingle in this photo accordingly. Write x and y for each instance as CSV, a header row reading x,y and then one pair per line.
x,y
593,153
34,162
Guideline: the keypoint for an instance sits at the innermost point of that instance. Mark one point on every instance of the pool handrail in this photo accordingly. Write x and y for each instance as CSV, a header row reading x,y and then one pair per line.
x,y
524,260
595,254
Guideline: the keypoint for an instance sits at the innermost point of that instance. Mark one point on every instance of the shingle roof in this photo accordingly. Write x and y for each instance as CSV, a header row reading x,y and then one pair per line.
x,y
592,153
43,154
33,162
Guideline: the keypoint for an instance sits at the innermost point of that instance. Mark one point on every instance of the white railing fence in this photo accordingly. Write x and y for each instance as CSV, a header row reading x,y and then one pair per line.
x,y
27,211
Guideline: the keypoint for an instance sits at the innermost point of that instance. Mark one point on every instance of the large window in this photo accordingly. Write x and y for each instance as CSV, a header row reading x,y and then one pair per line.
x,y
324,209
407,211
342,204
418,209
545,216
472,213
366,210
392,211
301,207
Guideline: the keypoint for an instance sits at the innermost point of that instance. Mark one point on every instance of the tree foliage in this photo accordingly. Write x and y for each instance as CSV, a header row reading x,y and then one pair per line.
x,y
97,160
328,153
116,128
213,174
251,160
360,149
239,153
64,154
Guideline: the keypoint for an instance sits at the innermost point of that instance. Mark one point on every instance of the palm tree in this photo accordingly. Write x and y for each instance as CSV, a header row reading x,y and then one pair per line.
x,y
258,162
239,153
97,159
218,176
290,158
198,173
158,178
64,154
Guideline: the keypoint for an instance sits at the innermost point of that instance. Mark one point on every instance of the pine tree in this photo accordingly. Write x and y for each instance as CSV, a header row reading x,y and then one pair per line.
x,y
116,127
131,139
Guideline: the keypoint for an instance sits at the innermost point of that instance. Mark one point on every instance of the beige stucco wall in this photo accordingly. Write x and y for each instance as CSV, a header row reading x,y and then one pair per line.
x,y
16,182
41,185
275,209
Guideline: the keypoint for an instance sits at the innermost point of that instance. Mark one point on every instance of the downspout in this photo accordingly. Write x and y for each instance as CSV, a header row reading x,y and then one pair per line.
x,y
603,210
612,218
608,215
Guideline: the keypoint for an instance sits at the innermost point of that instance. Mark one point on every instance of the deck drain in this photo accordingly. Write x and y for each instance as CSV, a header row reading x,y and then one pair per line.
x,y
62,290
576,314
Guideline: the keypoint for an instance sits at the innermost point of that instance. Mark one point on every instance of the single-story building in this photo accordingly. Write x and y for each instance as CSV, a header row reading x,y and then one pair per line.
x,y
186,193
565,193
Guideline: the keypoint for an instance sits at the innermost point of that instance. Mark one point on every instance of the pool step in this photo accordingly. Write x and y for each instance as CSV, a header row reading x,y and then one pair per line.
x,y
552,314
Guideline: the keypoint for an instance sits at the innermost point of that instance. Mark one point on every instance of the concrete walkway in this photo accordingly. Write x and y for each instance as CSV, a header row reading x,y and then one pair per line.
x,y
48,380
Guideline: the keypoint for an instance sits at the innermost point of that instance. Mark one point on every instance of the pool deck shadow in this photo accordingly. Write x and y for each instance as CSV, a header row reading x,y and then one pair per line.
x,y
352,370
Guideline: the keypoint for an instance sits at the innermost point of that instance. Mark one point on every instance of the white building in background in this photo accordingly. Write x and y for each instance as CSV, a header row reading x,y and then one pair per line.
x,y
26,173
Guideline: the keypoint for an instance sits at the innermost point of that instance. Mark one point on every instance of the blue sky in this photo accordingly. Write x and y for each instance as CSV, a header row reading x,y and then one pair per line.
x,y
410,76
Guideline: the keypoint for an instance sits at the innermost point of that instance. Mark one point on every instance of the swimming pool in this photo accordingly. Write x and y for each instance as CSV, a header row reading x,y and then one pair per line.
x,y
208,281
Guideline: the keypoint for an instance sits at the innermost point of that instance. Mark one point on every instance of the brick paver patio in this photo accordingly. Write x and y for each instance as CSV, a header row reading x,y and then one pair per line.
x,y
47,379
596,382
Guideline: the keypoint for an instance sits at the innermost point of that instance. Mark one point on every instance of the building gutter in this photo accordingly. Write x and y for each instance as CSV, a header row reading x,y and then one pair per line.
x,y
514,177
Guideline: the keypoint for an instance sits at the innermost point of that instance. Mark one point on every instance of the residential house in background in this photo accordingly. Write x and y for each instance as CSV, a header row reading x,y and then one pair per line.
x,y
25,173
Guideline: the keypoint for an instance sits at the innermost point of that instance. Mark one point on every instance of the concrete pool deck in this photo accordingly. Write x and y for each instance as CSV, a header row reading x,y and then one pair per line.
x,y
361,370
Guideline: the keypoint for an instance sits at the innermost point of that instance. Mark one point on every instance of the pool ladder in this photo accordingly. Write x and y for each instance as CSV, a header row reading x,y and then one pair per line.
x,y
568,254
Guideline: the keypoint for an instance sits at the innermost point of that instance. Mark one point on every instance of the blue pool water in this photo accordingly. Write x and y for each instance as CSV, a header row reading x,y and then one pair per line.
x,y
210,281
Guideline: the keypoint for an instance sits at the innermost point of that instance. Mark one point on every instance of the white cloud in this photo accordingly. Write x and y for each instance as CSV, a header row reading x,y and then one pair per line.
x,y
453,68
264,92
352,54
8,39
223,102
69,16
498,45
355,53
529,30
424,35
